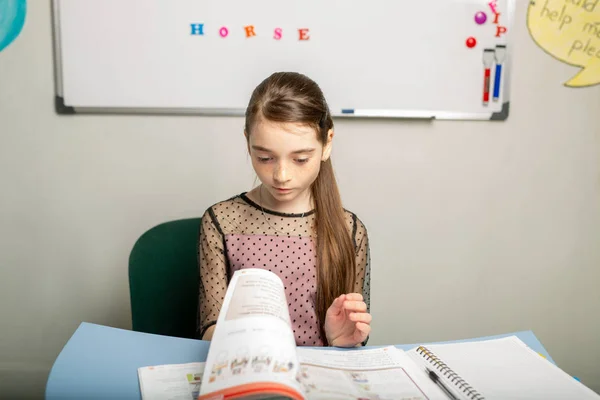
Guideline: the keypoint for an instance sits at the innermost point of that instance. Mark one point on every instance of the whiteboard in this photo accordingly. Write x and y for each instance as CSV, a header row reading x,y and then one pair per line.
x,y
375,58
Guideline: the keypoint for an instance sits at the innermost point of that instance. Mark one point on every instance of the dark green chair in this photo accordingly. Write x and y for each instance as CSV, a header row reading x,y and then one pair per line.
x,y
163,279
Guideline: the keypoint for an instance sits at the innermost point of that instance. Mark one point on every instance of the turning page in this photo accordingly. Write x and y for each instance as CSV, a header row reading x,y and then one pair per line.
x,y
253,350
499,369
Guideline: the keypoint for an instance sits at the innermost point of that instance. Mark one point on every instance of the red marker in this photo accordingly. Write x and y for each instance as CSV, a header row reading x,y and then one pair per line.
x,y
488,60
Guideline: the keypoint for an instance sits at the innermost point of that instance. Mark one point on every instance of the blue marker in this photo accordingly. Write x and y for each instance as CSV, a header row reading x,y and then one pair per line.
x,y
347,111
500,55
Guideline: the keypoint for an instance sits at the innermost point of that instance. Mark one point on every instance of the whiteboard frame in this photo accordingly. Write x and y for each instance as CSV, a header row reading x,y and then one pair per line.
x,y
65,109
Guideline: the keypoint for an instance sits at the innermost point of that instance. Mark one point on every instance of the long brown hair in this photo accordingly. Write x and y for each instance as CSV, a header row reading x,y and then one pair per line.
x,y
293,97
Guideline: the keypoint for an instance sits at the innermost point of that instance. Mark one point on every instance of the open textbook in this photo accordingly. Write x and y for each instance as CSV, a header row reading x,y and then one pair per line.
x,y
171,381
253,355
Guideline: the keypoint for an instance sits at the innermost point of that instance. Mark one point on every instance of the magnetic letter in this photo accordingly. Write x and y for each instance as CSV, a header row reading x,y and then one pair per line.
x,y
492,5
500,30
497,19
197,29
249,31
303,33
277,35
223,32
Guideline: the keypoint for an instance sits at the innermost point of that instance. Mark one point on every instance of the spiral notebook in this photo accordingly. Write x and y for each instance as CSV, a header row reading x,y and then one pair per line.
x,y
499,369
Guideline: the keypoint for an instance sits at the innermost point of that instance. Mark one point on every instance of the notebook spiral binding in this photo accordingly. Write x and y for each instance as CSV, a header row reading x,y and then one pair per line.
x,y
447,372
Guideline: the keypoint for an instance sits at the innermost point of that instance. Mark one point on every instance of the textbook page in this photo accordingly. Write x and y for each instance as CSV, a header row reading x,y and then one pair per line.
x,y
378,374
506,368
253,349
171,381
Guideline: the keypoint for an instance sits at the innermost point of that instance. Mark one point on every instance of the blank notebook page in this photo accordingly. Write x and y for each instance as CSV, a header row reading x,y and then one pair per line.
x,y
506,369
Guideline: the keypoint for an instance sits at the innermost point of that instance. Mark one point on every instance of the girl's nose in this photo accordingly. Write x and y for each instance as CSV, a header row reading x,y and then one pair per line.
x,y
281,174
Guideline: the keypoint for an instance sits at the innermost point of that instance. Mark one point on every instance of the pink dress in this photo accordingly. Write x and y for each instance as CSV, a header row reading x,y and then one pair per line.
x,y
237,234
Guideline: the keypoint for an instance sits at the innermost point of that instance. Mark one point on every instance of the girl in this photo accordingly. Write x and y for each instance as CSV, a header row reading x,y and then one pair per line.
x,y
293,224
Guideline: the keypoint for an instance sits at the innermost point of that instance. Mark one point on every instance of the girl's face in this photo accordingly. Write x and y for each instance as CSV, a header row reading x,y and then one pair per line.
x,y
287,158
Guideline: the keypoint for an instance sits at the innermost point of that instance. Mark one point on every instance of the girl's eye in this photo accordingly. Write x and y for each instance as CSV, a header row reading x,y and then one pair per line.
x,y
264,159
302,160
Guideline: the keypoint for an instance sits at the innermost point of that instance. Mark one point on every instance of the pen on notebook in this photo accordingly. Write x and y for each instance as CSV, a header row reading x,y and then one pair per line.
x,y
436,379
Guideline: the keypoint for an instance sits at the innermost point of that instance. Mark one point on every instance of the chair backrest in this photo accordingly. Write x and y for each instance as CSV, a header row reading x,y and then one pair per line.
x,y
163,279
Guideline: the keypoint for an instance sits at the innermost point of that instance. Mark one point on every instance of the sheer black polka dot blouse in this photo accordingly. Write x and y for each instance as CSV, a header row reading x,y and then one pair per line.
x,y
237,233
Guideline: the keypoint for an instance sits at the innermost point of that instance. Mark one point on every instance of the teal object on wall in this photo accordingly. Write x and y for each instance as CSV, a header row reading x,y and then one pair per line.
x,y
12,19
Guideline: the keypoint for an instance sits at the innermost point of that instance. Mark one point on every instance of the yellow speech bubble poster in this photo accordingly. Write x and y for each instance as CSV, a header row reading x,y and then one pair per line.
x,y
569,30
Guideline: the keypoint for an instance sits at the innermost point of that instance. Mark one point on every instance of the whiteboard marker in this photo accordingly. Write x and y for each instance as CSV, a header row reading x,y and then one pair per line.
x,y
488,60
500,55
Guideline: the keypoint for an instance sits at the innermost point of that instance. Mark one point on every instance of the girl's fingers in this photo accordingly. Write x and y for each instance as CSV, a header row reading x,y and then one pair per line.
x,y
338,304
359,306
361,317
363,328
354,297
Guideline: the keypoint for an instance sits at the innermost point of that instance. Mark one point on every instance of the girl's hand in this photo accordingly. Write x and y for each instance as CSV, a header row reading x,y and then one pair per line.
x,y
347,322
